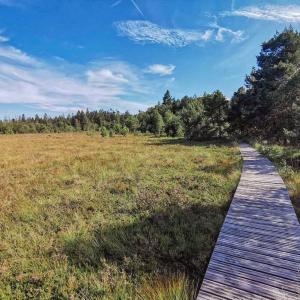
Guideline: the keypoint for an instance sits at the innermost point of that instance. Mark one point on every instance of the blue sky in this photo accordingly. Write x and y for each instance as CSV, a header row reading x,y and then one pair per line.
x,y
59,56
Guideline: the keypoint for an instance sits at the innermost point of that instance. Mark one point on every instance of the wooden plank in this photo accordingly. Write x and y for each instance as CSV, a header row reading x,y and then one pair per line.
x,y
255,275
260,236
261,212
227,291
258,257
250,264
251,221
292,248
257,254
203,295
269,227
276,220
262,207
260,247
251,286
259,220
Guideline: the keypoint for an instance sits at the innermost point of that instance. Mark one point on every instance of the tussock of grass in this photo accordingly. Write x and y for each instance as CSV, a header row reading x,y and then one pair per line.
x,y
178,287
84,217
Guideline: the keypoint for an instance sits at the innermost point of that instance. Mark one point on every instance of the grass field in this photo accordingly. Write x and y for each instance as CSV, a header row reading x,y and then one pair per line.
x,y
84,217
287,160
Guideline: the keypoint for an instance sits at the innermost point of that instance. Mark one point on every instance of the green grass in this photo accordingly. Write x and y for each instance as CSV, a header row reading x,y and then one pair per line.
x,y
287,160
84,217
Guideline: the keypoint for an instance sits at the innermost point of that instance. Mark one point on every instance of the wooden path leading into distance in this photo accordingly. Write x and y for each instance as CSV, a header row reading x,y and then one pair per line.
x,y
257,254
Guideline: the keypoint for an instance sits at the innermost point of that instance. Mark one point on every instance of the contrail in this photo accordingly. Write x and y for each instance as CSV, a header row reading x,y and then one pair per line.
x,y
232,4
137,8
116,3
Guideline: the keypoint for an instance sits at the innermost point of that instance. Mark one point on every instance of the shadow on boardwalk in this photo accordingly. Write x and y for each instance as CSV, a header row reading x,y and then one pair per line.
x,y
264,168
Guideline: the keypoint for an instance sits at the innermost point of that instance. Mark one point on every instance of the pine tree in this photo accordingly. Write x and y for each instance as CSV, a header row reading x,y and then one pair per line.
x,y
167,99
267,109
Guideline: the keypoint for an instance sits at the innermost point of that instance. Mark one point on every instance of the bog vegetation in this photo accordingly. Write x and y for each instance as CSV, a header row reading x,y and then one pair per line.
x,y
84,217
266,108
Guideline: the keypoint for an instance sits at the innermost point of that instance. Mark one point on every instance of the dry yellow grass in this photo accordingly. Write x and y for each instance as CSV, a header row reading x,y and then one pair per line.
x,y
84,217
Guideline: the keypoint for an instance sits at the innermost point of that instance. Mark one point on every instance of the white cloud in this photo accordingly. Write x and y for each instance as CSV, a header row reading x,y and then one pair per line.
x,y
161,70
3,39
104,77
103,84
279,13
145,31
236,35
223,32
14,55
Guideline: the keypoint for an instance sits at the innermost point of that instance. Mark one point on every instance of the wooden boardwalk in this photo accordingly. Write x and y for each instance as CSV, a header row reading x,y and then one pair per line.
x,y
257,254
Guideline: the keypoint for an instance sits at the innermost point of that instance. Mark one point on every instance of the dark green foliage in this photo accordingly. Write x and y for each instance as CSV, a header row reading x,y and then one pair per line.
x,y
213,122
168,100
132,123
269,107
81,121
173,124
198,118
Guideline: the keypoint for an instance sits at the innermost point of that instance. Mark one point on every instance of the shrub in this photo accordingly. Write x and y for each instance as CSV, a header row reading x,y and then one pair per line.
x,y
124,131
103,131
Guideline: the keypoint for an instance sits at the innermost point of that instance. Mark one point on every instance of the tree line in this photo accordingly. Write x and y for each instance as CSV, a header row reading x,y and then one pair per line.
x,y
266,107
193,117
